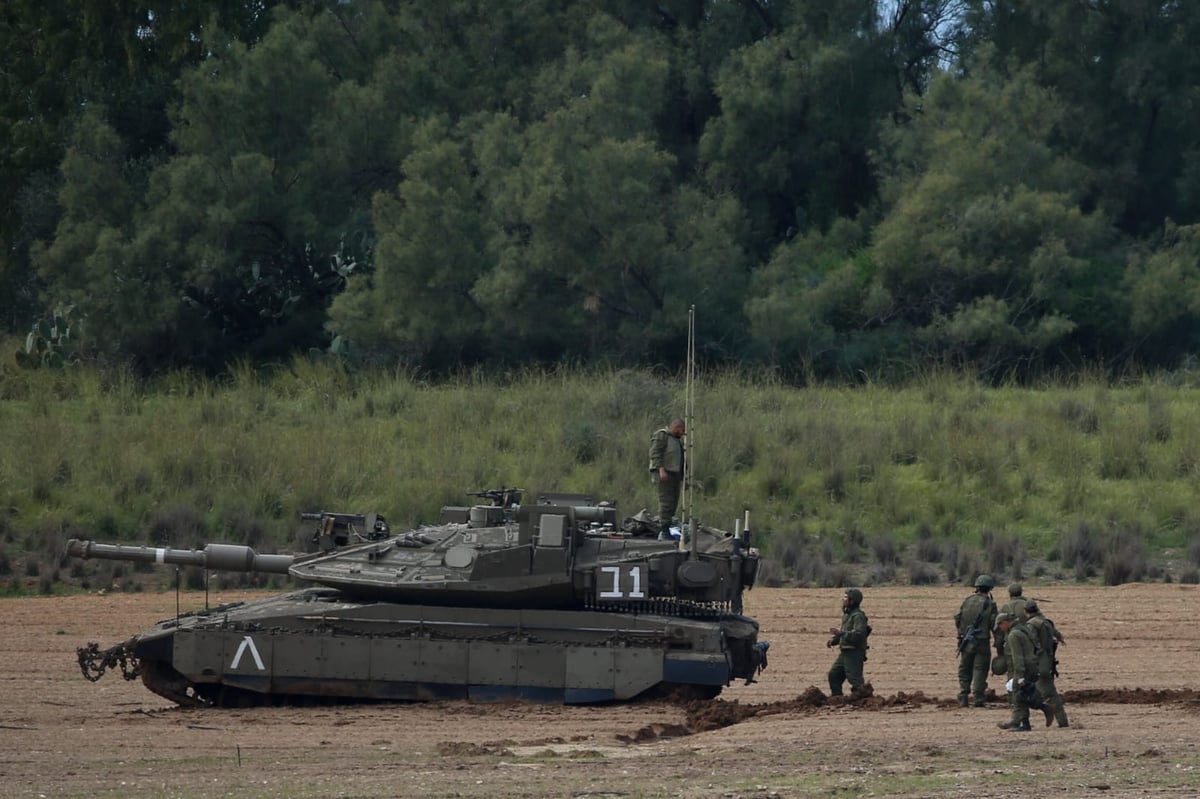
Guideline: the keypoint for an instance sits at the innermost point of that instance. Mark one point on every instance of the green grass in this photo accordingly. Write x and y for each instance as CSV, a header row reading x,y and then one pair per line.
x,y
187,459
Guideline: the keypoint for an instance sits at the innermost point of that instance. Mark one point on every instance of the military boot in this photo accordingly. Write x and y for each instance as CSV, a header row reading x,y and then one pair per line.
x,y
962,701
1021,727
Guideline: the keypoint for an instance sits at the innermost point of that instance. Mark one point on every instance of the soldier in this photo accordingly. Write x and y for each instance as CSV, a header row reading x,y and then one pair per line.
x,y
1047,637
851,640
1022,673
1015,606
972,623
1016,600
666,470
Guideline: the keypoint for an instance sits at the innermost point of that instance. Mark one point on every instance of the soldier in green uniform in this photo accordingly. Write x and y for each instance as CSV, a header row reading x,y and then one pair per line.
x,y
666,470
851,641
1021,652
1047,637
1016,600
1014,606
973,623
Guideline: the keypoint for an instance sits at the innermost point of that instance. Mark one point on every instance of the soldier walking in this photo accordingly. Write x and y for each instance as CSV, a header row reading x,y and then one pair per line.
x,y
1021,653
973,624
1047,637
1014,606
851,641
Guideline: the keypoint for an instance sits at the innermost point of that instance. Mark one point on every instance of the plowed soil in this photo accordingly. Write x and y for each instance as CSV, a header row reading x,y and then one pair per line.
x,y
1129,675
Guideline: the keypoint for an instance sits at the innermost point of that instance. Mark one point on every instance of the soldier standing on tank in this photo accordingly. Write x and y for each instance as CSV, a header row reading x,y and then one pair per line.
x,y
973,623
1022,673
851,641
1047,637
666,470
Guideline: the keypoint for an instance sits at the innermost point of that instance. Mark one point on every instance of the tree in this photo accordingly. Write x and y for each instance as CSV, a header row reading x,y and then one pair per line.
x,y
62,58
985,250
1127,70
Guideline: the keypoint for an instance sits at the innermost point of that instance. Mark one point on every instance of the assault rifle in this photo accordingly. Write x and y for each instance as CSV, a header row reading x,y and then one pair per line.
x,y
969,637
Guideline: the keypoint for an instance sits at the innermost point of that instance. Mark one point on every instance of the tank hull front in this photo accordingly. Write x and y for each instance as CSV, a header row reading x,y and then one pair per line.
x,y
317,643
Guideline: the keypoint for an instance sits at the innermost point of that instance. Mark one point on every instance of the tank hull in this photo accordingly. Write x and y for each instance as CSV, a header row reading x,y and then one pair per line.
x,y
321,643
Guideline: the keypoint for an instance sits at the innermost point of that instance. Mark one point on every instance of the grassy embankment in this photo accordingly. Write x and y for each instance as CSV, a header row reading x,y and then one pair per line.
x,y
932,481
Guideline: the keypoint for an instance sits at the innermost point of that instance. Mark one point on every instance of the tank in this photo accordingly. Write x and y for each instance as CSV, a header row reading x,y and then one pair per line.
x,y
553,600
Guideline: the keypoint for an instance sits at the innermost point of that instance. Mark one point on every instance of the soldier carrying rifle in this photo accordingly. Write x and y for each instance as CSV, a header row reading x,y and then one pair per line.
x,y
973,622
1047,638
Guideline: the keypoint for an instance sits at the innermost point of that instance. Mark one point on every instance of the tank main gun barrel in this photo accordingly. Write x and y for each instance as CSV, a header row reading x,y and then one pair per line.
x,y
215,557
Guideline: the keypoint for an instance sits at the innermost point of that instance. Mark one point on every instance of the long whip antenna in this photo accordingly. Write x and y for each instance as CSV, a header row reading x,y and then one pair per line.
x,y
689,415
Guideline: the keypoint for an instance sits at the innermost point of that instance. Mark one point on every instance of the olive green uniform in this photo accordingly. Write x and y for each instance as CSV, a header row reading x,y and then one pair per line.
x,y
1022,657
851,641
1046,637
978,612
666,452
1014,607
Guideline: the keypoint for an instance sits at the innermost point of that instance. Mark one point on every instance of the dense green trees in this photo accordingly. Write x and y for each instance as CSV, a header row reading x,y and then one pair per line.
x,y
839,189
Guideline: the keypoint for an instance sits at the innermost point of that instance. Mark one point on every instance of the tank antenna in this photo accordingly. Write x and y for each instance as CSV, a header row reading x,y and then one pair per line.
x,y
689,415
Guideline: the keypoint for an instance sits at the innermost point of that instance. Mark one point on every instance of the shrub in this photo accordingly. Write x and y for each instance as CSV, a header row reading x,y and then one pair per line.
x,y
928,548
1193,550
195,579
923,574
1081,550
967,568
178,525
834,483
770,574
950,560
885,549
1079,415
583,439
1125,560
839,576
1006,554
880,573
854,543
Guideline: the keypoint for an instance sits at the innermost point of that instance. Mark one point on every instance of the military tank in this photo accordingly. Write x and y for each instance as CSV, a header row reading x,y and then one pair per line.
x,y
548,601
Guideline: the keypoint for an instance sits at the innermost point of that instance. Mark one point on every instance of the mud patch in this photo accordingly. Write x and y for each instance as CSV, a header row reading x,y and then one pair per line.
x,y
1134,696
467,749
655,732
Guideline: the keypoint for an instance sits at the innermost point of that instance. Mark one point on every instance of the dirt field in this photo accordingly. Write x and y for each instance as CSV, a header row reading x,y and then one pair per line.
x,y
1129,672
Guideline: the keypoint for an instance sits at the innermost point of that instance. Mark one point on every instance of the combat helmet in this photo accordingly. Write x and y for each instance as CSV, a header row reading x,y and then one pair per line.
x,y
985,581
855,596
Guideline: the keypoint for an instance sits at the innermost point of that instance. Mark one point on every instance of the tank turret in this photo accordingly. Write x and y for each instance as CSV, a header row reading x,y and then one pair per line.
x,y
554,598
